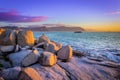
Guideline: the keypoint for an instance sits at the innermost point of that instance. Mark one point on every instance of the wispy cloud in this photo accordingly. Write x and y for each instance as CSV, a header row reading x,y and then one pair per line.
x,y
113,13
16,17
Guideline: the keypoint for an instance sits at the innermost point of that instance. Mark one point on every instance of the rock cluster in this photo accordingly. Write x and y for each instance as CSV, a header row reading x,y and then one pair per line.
x,y
20,49
24,58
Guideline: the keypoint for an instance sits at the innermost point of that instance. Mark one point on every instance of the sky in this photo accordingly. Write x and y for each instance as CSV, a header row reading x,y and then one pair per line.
x,y
92,15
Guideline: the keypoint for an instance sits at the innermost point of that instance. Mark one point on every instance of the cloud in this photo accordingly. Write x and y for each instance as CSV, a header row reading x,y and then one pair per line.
x,y
16,17
113,13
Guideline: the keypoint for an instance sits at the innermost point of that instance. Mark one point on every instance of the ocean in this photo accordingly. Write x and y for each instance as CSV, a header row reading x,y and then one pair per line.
x,y
105,45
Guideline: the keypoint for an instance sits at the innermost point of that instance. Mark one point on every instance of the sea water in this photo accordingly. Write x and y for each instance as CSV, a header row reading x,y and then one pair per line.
x,y
96,44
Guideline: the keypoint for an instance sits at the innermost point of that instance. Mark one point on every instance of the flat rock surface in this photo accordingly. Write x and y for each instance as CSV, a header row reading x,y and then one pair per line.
x,y
85,69
51,73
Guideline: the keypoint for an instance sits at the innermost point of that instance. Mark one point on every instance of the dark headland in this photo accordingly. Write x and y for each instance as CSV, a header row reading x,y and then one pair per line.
x,y
22,57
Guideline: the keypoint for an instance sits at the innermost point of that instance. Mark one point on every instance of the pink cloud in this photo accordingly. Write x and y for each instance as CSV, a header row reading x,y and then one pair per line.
x,y
113,13
16,17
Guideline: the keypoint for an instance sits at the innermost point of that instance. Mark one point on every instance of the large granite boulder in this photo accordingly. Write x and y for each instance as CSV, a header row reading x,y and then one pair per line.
x,y
29,74
18,57
53,47
65,53
47,59
10,73
31,58
7,49
24,58
7,37
25,38
44,38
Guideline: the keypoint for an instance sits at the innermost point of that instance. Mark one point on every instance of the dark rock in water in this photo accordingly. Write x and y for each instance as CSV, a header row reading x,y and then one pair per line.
x,y
78,53
7,37
29,74
78,32
65,53
85,69
10,73
51,73
25,38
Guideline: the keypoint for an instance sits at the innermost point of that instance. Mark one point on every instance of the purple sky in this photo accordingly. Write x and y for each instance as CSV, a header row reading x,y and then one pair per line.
x,y
85,13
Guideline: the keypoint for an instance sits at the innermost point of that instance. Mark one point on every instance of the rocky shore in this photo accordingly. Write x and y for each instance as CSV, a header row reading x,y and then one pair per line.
x,y
22,57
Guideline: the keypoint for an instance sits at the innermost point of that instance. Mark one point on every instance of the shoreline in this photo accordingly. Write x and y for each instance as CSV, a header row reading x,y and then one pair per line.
x,y
46,59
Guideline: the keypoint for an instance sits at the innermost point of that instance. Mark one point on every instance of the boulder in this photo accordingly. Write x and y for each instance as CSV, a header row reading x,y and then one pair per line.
x,y
47,59
10,73
1,78
24,57
29,74
7,37
59,45
18,57
5,64
53,47
31,58
25,38
7,49
44,38
65,53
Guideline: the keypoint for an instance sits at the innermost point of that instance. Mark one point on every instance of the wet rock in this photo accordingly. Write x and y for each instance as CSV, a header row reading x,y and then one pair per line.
x,y
31,58
10,73
53,47
18,57
44,38
51,73
7,37
65,53
25,38
29,74
47,59
78,53
7,49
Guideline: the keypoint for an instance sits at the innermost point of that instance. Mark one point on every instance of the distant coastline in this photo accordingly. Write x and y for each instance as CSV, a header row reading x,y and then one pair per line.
x,y
46,28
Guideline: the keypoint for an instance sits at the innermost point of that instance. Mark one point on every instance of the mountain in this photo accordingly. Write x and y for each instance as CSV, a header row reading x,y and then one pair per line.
x,y
65,29
47,27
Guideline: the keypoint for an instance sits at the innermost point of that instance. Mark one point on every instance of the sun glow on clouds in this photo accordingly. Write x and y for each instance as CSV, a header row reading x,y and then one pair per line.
x,y
16,17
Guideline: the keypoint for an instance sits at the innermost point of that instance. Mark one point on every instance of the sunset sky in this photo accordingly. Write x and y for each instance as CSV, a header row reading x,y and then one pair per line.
x,y
93,15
